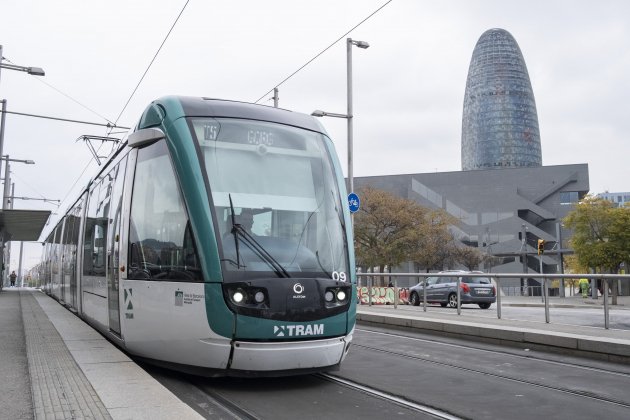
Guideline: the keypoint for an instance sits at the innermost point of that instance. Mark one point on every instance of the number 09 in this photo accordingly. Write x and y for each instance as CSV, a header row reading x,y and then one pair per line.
x,y
339,276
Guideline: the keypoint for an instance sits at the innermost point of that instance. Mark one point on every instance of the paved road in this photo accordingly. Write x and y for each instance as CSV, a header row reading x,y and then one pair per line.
x,y
473,380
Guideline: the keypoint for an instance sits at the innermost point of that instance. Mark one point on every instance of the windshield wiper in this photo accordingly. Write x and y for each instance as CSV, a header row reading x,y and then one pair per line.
x,y
248,239
234,231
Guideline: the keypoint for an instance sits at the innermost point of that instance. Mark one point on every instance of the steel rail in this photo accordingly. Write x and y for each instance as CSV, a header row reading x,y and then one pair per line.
x,y
388,397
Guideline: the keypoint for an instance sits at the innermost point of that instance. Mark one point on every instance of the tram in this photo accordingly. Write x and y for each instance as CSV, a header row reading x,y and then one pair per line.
x,y
215,241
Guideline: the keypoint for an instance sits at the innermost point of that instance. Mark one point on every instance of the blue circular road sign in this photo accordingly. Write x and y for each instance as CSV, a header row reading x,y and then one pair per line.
x,y
353,202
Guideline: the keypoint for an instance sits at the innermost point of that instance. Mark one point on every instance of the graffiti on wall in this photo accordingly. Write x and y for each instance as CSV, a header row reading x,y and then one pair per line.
x,y
382,295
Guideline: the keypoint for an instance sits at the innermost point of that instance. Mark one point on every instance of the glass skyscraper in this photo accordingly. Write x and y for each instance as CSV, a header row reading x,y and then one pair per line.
x,y
500,123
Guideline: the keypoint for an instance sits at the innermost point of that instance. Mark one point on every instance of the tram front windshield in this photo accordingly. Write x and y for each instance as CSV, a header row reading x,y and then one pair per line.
x,y
276,199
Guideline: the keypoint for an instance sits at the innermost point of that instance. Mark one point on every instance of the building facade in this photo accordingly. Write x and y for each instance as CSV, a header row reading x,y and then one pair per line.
x,y
500,122
618,198
503,213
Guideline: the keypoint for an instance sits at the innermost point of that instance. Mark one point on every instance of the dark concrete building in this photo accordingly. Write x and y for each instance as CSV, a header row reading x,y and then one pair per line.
x,y
499,122
496,208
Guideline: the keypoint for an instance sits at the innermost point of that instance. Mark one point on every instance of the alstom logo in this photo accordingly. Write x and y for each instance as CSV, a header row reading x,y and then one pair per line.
x,y
298,330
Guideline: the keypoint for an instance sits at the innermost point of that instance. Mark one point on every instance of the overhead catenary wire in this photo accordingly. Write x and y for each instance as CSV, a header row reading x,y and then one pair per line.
x,y
39,79
111,127
80,175
108,125
22,181
323,51
151,63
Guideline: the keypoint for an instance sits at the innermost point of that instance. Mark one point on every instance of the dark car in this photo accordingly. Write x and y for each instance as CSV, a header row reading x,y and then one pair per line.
x,y
443,290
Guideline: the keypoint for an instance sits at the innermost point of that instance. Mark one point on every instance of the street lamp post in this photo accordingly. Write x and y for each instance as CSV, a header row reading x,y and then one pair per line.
x,y
363,45
7,178
34,71
349,115
2,118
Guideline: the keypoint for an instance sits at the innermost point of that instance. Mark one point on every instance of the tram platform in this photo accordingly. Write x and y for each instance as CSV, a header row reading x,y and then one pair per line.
x,y
55,366
597,343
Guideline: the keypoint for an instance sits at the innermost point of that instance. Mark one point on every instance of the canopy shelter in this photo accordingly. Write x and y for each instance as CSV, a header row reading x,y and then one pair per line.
x,y
22,225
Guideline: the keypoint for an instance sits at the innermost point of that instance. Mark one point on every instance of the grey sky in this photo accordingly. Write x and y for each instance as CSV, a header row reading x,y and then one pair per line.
x,y
408,86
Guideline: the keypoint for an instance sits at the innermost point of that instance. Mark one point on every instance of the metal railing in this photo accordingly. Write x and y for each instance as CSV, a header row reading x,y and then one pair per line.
x,y
497,278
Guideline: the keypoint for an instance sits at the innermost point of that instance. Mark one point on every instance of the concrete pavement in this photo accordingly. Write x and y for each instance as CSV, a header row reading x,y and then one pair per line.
x,y
15,391
55,366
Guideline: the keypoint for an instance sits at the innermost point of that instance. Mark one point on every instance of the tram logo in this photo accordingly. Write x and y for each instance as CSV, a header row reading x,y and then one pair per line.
x,y
298,330
128,304
298,289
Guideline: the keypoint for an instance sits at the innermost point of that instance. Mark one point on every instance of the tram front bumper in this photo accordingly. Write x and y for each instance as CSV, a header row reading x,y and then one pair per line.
x,y
287,356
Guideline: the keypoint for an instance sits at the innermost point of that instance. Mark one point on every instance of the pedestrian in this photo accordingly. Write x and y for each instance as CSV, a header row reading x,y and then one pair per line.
x,y
13,276
584,287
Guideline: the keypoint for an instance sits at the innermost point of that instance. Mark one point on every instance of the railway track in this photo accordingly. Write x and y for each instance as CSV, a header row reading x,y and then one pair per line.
x,y
505,377
436,413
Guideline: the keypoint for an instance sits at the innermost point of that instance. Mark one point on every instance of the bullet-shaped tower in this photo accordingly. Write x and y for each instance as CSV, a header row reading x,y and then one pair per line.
x,y
500,123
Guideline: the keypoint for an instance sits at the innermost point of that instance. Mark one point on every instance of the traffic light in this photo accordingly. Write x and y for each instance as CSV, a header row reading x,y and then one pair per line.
x,y
541,246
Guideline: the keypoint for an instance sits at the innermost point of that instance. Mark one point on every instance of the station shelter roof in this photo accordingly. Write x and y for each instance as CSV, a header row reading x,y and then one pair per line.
x,y
22,225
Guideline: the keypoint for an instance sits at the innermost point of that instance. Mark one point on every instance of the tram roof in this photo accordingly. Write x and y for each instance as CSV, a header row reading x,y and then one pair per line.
x,y
195,106
22,225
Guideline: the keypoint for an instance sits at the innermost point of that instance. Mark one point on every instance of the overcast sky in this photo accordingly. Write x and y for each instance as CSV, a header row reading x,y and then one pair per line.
x,y
408,86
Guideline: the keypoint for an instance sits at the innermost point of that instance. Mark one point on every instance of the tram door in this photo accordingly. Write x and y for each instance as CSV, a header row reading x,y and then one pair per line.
x,y
113,251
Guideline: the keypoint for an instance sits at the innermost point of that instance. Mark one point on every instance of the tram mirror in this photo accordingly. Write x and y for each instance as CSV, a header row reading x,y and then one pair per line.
x,y
144,136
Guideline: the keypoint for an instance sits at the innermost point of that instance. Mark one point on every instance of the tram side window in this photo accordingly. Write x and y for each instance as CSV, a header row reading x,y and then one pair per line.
x,y
88,238
48,258
161,245
96,228
73,222
56,254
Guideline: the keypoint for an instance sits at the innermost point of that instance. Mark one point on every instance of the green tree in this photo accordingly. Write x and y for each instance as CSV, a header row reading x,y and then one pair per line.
x,y
389,230
382,227
601,238
432,246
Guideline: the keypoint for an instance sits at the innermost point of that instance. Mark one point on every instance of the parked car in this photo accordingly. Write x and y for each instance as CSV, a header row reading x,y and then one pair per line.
x,y
443,290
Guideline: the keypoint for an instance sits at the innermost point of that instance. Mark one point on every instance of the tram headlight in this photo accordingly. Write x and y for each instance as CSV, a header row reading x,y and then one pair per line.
x,y
341,295
238,296
244,295
259,297
336,296
329,296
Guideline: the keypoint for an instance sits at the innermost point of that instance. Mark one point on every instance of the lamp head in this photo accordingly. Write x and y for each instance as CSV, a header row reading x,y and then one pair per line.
x,y
36,71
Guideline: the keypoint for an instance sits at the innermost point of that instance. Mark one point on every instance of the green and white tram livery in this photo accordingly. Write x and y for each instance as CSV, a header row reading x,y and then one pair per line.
x,y
217,241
